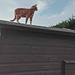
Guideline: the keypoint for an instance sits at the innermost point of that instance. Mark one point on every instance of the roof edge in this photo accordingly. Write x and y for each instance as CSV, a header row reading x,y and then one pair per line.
x,y
19,26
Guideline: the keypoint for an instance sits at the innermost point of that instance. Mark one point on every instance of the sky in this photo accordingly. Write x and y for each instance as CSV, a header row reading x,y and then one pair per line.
x,y
50,12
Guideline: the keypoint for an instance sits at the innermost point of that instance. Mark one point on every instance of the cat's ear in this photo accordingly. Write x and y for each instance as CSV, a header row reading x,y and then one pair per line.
x,y
35,4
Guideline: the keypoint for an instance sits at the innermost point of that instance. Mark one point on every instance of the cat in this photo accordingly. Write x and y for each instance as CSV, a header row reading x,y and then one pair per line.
x,y
25,12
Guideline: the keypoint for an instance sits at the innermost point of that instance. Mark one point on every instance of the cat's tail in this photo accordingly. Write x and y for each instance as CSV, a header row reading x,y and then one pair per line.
x,y
14,18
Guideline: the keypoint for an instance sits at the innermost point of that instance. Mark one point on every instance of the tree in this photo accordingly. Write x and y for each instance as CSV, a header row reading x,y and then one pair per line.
x,y
66,24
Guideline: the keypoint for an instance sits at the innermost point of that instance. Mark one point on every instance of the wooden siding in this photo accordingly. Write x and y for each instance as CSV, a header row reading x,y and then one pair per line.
x,y
34,53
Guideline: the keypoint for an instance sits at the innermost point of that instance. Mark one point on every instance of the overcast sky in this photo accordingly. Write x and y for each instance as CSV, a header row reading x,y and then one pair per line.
x,y
50,12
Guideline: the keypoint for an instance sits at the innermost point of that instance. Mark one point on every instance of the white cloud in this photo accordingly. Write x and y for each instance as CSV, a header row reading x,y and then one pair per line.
x,y
12,2
41,4
38,19
5,6
68,11
45,20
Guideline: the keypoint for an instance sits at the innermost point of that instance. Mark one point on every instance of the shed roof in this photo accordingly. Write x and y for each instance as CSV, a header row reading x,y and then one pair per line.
x,y
34,28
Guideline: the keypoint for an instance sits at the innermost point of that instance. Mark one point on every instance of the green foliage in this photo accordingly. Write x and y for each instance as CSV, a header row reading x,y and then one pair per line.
x,y
61,25
66,24
71,24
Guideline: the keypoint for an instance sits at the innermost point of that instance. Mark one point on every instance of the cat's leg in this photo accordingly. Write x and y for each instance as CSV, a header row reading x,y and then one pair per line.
x,y
30,20
17,18
26,20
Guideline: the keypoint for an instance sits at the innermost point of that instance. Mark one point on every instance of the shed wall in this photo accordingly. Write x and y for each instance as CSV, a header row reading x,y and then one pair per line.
x,y
34,53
